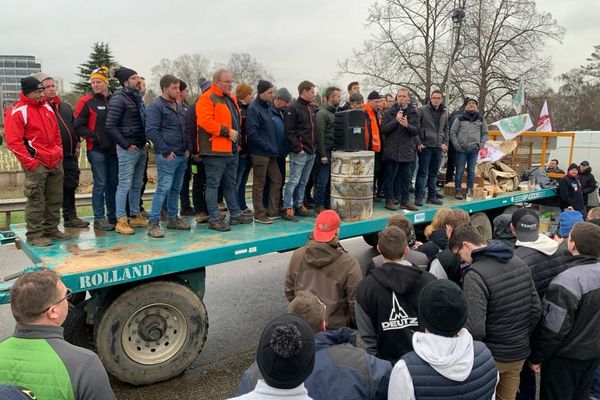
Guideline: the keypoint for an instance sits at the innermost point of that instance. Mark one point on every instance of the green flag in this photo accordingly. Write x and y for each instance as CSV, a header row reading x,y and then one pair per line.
x,y
519,99
512,127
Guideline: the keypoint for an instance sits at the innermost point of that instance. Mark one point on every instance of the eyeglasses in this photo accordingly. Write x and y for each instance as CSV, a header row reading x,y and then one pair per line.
x,y
67,297
457,254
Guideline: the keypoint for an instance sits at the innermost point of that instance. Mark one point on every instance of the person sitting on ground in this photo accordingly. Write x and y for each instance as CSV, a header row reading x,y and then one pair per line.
x,y
435,233
337,359
36,356
412,256
446,265
446,362
553,167
285,358
323,267
569,191
386,300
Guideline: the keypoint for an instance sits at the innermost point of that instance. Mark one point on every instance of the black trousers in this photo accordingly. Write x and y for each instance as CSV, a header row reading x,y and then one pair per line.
x,y
451,163
70,183
567,379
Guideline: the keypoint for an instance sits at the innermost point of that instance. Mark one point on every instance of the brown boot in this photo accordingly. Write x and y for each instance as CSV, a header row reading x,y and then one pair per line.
x,y
138,221
58,235
123,227
389,204
41,241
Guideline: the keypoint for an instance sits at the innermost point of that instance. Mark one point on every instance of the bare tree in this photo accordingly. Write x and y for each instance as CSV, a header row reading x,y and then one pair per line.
x,y
187,67
246,69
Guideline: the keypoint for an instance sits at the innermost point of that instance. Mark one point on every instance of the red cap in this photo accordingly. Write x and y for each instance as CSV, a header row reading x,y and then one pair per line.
x,y
326,226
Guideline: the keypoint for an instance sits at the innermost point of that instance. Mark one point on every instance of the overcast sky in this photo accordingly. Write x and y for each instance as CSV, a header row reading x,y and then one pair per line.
x,y
294,40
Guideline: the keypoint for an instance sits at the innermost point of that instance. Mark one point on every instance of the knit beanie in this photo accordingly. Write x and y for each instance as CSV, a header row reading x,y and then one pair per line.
x,y
101,73
182,85
263,86
204,84
286,352
442,308
573,166
468,99
242,90
9,392
124,73
30,84
283,94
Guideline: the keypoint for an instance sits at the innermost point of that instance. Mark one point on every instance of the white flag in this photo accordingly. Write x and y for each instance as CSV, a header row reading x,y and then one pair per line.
x,y
519,99
512,127
544,124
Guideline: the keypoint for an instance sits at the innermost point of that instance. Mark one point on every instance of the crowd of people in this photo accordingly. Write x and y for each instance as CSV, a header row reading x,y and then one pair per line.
x,y
215,141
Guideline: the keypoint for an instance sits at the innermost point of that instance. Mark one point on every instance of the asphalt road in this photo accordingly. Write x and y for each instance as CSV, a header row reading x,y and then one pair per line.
x,y
241,297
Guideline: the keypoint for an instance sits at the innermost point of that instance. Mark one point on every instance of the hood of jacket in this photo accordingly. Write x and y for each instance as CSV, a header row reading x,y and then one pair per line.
x,y
471,116
498,251
321,254
544,244
401,278
502,227
451,357
333,337
439,238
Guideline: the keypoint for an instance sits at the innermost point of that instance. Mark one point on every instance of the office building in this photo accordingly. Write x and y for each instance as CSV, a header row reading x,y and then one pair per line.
x,y
12,69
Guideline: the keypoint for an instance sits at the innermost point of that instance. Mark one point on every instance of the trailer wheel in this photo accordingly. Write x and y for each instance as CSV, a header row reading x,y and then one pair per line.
x,y
152,332
76,329
371,239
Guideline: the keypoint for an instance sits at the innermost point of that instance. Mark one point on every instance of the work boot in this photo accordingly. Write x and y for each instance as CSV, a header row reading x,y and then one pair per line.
x,y
274,216
58,235
419,201
201,217
138,221
435,201
263,219
41,241
240,219
247,211
219,225
303,212
75,223
458,195
103,224
154,230
390,205
123,227
177,223
288,215
188,212
409,206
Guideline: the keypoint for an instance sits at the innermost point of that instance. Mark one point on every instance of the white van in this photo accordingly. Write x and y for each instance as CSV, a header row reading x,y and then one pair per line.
x,y
586,148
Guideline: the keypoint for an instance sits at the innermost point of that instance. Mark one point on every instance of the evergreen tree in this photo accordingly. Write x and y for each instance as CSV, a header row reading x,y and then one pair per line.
x,y
101,55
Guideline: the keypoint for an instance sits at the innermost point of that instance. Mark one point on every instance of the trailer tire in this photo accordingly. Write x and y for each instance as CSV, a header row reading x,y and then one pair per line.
x,y
76,329
371,239
152,332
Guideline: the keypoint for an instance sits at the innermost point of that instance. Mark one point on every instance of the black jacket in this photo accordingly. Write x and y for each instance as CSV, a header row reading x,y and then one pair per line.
x,y
588,183
263,139
437,242
570,320
64,117
243,140
400,142
90,122
126,119
387,308
503,305
569,190
191,127
432,134
300,127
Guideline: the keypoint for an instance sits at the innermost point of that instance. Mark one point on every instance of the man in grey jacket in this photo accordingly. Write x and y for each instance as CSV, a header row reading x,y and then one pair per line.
x,y
431,142
468,134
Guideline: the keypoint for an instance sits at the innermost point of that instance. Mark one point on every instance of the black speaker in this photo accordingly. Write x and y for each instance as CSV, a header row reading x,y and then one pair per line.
x,y
349,130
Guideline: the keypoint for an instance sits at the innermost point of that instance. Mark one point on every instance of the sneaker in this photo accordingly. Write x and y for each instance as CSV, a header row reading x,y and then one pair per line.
x,y
274,216
222,206
201,217
177,223
188,212
41,241
76,223
113,221
435,201
103,224
154,230
248,211
288,215
219,226
303,212
123,227
263,220
138,221
458,196
390,205
58,235
240,219
439,194
409,206
419,201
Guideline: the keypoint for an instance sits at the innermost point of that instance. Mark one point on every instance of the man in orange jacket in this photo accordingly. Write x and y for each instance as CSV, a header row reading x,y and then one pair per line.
x,y
33,136
219,120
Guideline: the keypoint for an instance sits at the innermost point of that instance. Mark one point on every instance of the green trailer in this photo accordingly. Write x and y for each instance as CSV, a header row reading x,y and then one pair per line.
x,y
138,300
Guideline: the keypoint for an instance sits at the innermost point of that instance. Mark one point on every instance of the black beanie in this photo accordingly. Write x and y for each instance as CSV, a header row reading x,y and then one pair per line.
x,y
182,85
286,352
263,86
124,73
30,84
442,308
572,166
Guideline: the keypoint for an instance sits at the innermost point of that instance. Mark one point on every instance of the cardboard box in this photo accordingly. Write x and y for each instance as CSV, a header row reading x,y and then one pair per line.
x,y
477,181
493,190
450,191
479,192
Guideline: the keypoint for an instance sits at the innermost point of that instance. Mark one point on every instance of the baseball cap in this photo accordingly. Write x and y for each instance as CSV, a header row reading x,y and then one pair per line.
x,y
374,95
326,226
527,225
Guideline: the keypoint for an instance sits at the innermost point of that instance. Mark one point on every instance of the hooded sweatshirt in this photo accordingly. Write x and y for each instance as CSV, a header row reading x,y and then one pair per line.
x,y
386,308
331,274
266,392
451,357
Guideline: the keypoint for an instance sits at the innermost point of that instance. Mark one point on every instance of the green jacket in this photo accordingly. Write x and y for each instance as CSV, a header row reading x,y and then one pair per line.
x,y
38,358
325,120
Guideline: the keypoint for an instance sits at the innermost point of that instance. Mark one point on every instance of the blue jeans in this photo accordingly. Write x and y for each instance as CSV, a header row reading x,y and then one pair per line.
x,y
243,171
170,178
595,389
105,172
429,165
221,171
322,179
399,172
300,168
470,159
131,178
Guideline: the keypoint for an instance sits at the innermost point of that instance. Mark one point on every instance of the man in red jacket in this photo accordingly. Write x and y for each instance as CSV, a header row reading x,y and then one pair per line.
x,y
32,134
